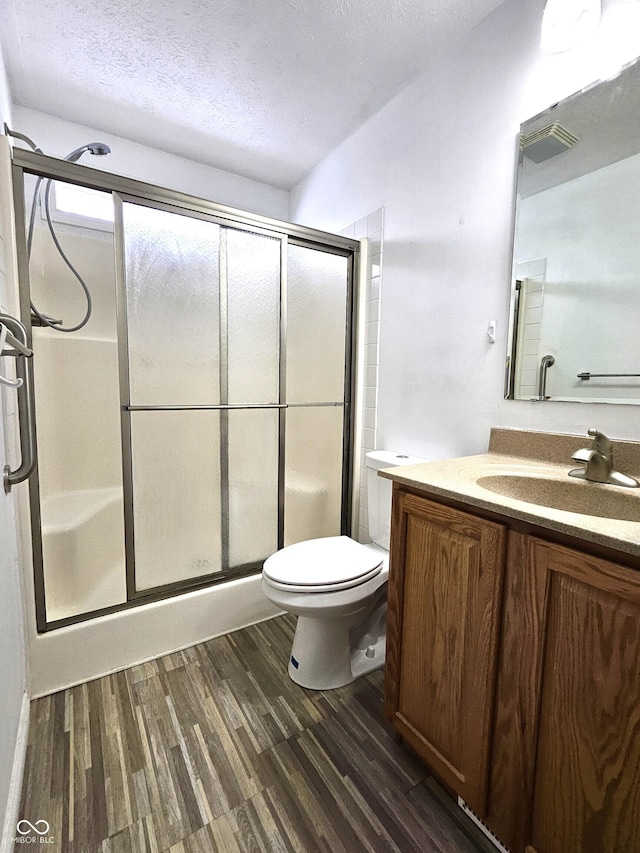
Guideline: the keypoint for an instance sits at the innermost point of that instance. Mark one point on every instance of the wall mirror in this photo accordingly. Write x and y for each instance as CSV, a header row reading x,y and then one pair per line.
x,y
574,330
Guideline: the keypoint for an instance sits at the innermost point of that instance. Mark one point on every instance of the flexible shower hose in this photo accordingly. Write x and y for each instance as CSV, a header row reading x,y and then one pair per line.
x,y
46,321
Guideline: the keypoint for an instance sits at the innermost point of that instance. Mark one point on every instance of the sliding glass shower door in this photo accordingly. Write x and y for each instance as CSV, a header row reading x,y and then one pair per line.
x,y
200,420
232,396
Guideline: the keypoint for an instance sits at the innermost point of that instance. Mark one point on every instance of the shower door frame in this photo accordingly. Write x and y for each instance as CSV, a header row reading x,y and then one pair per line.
x,y
150,195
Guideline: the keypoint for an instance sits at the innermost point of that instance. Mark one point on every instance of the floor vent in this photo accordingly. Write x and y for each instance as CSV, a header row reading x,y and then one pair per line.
x,y
482,827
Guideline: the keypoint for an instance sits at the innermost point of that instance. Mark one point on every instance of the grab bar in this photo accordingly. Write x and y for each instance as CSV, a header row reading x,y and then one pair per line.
x,y
588,375
545,363
15,343
26,417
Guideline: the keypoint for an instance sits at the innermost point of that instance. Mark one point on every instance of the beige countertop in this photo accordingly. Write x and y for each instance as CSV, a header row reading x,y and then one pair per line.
x,y
545,460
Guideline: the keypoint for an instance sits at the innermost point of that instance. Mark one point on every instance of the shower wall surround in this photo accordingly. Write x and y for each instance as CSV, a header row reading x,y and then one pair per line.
x,y
371,227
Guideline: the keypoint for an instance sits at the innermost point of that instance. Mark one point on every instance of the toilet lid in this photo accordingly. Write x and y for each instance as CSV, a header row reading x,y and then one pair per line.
x,y
334,561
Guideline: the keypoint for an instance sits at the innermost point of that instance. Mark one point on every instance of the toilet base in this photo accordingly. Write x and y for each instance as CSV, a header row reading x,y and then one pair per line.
x,y
332,653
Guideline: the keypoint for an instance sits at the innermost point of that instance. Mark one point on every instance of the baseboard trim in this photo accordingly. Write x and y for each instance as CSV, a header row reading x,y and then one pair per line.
x,y
15,788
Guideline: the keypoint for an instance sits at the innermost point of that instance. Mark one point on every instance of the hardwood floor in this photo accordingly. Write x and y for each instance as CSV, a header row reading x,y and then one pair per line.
x,y
215,749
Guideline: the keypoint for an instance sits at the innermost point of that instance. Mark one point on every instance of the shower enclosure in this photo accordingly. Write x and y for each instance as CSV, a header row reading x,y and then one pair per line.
x,y
201,419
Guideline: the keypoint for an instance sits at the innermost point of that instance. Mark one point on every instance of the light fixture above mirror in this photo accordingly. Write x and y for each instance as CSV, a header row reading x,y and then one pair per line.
x,y
566,23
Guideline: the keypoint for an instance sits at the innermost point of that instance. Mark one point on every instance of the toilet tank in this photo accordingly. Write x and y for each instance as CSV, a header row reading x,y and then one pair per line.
x,y
379,492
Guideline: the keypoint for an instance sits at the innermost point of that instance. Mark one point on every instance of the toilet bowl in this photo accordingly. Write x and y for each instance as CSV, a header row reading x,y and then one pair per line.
x,y
337,588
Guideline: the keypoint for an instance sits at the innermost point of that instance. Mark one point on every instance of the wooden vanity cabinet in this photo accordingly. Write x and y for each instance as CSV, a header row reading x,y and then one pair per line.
x,y
513,671
442,638
565,765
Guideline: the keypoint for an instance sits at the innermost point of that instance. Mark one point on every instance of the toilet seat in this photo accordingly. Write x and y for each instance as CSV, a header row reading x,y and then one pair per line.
x,y
322,565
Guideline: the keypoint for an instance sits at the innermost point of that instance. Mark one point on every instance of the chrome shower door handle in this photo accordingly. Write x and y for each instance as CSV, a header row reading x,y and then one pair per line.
x,y
26,414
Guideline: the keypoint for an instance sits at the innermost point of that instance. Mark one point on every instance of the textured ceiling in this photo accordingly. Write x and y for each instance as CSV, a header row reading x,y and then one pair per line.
x,y
263,88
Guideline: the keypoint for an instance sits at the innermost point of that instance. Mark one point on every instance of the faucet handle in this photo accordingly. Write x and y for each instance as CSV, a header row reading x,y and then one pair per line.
x,y
601,442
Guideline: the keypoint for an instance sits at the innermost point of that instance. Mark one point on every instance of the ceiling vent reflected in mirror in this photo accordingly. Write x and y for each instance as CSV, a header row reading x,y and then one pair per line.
x,y
546,143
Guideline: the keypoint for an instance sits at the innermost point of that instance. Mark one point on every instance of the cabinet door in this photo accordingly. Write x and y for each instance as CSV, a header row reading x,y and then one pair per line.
x,y
444,608
566,754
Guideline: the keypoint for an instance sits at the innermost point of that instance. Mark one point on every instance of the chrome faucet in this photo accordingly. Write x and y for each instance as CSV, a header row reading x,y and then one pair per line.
x,y
598,461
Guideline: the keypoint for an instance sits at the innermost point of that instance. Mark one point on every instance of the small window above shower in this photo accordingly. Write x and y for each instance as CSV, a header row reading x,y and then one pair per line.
x,y
81,206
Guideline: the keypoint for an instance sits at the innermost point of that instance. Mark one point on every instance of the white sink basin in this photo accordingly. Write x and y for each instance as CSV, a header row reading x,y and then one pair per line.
x,y
578,496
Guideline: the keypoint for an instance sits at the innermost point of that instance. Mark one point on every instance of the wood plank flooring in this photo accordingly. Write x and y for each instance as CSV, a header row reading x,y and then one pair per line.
x,y
215,749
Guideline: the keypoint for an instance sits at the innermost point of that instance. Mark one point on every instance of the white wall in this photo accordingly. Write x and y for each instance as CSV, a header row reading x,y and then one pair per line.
x,y
58,137
441,158
12,651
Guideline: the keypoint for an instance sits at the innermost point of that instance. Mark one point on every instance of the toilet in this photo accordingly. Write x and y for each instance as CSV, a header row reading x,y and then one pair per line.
x,y
338,590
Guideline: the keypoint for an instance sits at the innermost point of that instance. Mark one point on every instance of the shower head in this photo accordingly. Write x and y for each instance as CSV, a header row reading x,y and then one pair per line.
x,y
97,148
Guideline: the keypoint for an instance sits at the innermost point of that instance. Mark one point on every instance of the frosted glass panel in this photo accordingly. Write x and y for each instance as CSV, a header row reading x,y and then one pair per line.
x,y
253,275
77,403
172,307
253,485
316,310
176,495
313,478
81,496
